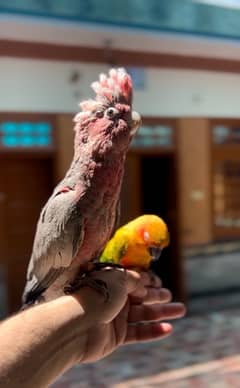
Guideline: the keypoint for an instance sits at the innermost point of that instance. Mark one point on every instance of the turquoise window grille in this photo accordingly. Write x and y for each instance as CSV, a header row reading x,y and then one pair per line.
x,y
154,136
26,134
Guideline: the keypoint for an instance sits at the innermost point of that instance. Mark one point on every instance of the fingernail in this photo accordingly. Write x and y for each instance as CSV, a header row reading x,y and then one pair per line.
x,y
167,327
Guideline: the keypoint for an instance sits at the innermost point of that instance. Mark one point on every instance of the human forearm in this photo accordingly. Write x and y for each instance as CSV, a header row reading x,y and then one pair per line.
x,y
39,344
44,344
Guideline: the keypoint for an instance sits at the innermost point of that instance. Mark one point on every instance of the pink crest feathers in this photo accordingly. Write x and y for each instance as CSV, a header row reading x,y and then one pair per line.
x,y
117,87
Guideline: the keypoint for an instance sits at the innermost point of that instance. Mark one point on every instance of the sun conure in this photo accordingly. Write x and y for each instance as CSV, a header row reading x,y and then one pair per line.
x,y
137,243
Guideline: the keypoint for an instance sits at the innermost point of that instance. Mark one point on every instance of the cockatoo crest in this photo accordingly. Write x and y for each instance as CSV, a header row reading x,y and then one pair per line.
x,y
109,90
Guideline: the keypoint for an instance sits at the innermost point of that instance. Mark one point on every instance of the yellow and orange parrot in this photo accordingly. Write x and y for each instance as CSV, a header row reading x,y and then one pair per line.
x,y
137,243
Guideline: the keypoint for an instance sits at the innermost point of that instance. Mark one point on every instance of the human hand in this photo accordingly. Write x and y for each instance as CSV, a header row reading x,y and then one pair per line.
x,y
83,327
137,304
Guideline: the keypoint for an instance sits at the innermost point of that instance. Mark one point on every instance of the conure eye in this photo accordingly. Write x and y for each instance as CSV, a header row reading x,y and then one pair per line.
x,y
112,112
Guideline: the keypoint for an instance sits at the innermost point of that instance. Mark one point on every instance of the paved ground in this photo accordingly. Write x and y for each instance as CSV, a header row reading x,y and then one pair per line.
x,y
204,352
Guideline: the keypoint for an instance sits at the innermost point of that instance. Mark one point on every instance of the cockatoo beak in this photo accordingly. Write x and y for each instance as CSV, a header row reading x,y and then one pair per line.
x,y
136,122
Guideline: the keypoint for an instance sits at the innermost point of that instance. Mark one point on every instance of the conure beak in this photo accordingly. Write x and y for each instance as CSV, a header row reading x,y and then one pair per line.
x,y
136,122
155,252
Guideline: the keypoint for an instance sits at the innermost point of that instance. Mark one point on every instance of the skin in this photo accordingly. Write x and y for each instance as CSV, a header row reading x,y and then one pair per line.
x,y
39,344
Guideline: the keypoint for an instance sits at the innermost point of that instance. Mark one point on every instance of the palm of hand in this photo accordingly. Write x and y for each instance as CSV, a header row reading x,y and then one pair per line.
x,y
104,338
134,298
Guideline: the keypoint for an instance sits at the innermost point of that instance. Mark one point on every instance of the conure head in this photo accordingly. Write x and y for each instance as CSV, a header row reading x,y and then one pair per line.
x,y
153,232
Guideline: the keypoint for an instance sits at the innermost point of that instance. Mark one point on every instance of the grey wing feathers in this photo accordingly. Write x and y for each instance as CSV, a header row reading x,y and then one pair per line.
x,y
118,216
58,237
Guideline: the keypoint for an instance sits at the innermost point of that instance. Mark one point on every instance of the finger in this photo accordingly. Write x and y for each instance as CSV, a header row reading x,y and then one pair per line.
x,y
147,332
155,295
152,295
156,312
149,279
139,293
155,280
127,279
142,287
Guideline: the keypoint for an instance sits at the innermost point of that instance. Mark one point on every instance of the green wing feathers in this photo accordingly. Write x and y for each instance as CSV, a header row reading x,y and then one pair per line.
x,y
115,248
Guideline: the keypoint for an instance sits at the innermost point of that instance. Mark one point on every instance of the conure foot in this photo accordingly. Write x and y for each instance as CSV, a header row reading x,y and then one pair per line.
x,y
96,284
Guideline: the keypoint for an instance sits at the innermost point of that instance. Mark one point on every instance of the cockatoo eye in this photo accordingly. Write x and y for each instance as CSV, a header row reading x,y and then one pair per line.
x,y
99,113
111,112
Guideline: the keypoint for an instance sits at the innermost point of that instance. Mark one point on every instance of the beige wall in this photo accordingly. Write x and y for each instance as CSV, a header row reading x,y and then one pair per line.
x,y
194,181
46,86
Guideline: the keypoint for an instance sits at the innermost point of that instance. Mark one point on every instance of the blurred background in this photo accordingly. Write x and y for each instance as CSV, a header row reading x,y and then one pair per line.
x,y
184,164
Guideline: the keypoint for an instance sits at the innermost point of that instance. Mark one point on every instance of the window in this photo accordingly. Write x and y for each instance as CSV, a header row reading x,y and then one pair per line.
x,y
226,194
153,136
223,134
25,134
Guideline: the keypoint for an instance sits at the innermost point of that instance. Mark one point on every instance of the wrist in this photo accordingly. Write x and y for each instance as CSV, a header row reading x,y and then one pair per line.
x,y
69,323
78,315
53,338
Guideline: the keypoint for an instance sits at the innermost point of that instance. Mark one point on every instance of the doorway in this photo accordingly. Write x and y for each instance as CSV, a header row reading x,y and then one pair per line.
x,y
159,196
25,185
150,186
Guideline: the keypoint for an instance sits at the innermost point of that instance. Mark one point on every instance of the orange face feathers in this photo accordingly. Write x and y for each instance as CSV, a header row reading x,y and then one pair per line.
x,y
137,243
152,230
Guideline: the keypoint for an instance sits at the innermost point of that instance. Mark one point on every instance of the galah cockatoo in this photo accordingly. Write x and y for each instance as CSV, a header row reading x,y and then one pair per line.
x,y
81,215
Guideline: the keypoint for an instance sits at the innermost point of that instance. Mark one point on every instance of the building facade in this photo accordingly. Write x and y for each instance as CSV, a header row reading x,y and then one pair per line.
x,y
184,163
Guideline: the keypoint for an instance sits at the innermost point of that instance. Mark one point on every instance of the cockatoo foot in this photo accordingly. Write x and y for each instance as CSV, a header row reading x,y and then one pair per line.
x,y
84,281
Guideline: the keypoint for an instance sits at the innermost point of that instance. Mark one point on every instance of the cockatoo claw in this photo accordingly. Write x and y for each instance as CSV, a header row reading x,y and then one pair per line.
x,y
96,284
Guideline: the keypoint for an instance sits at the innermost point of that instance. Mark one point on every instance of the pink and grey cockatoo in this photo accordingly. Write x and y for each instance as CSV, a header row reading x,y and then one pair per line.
x,y
81,215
